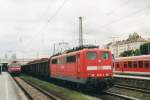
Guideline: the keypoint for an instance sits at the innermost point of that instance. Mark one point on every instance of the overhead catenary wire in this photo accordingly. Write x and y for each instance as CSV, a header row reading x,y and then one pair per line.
x,y
49,7
127,16
48,22
40,32
52,17
104,27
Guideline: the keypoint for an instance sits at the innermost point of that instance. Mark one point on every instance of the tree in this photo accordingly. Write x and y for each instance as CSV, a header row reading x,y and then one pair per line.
x,y
145,48
127,53
137,52
134,37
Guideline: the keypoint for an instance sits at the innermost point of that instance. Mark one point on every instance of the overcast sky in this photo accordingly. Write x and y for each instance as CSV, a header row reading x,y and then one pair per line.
x,y
31,27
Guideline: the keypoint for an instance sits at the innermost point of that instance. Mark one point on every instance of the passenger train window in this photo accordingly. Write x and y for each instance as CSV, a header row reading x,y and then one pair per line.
x,y
125,65
135,64
71,59
91,55
54,61
105,55
146,64
117,65
140,64
130,64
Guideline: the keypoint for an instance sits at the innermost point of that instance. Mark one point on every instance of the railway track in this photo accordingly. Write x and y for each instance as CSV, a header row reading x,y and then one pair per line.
x,y
115,96
34,92
133,88
107,95
121,92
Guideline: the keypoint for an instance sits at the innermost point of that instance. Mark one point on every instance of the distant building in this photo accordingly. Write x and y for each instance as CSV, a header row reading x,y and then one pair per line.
x,y
133,42
148,39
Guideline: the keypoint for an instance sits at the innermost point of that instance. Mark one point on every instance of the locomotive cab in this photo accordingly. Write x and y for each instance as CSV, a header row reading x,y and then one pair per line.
x,y
98,63
98,68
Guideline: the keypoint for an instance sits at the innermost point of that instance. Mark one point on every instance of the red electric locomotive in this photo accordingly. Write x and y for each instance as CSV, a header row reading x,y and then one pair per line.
x,y
14,67
87,66
135,65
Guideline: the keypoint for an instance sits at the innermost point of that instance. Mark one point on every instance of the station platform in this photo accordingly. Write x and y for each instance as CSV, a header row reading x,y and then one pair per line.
x,y
9,89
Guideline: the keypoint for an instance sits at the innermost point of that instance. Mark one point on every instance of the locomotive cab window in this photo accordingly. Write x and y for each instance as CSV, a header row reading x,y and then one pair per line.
x,y
91,55
135,64
71,59
54,61
105,55
63,60
59,61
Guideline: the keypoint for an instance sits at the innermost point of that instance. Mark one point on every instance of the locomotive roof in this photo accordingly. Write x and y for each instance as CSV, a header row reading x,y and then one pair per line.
x,y
142,57
83,50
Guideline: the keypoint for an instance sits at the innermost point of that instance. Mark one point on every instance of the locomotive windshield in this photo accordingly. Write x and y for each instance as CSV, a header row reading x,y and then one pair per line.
x,y
91,55
105,55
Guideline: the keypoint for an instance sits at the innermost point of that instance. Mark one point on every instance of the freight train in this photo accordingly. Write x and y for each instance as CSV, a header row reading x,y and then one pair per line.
x,y
14,67
134,65
90,67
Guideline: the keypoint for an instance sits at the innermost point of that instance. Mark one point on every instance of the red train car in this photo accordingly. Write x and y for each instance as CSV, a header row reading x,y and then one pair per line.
x,y
135,65
14,67
83,66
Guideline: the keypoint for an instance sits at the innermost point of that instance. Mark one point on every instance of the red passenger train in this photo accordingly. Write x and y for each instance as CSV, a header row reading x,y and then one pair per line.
x,y
135,65
87,66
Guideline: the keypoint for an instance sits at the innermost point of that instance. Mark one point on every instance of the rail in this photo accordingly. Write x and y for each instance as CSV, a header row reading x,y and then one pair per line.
x,y
48,94
120,96
133,88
